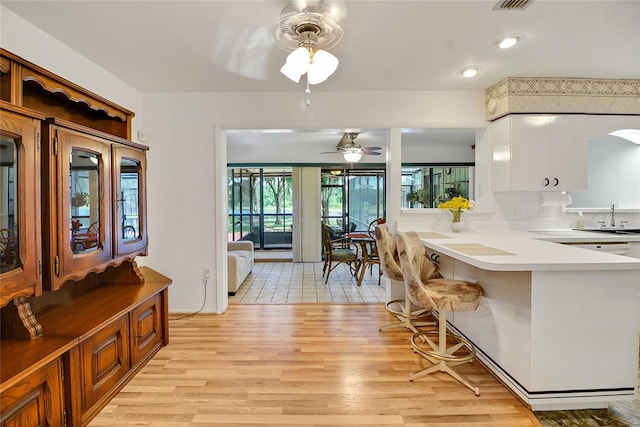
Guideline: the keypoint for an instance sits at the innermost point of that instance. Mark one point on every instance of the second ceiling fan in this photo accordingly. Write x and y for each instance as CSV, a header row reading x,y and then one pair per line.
x,y
351,151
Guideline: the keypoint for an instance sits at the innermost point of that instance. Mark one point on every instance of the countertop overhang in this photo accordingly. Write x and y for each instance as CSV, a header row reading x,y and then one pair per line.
x,y
508,250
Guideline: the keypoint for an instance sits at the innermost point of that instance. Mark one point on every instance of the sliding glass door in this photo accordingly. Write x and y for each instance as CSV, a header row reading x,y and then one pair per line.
x,y
352,198
260,206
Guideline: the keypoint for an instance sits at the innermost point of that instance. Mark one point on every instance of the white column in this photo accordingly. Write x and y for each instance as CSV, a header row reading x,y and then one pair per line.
x,y
218,284
394,289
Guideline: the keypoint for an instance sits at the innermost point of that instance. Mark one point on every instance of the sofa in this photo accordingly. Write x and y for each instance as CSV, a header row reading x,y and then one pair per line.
x,y
239,263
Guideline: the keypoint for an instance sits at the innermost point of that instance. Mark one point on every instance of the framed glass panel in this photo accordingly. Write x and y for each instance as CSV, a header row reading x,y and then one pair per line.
x,y
84,200
129,200
9,238
130,211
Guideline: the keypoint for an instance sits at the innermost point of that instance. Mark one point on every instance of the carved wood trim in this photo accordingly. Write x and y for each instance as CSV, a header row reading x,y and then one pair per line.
x,y
23,70
127,272
53,86
5,65
18,321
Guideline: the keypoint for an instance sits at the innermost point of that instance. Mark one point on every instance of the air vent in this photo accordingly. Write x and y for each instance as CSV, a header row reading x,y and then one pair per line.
x,y
512,4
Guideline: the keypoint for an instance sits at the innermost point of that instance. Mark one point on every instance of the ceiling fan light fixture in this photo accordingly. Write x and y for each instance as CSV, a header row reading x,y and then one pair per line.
x,y
297,64
321,66
352,155
311,32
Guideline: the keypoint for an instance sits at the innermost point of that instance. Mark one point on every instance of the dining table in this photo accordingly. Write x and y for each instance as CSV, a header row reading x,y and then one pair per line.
x,y
367,246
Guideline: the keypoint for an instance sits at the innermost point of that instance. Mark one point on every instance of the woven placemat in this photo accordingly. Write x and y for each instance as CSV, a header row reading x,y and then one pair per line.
x,y
476,249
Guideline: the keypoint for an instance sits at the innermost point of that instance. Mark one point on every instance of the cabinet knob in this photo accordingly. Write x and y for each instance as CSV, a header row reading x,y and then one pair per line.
x,y
555,182
546,182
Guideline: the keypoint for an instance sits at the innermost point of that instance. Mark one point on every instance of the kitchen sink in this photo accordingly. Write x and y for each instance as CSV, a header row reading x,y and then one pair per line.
x,y
615,230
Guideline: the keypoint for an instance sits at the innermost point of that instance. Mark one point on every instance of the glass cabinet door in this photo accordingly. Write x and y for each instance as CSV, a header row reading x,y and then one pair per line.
x,y
129,228
20,249
82,197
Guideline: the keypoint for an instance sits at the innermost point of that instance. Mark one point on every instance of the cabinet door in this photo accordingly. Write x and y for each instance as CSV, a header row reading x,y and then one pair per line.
x,y
105,360
130,214
568,153
530,152
146,329
35,401
80,203
20,251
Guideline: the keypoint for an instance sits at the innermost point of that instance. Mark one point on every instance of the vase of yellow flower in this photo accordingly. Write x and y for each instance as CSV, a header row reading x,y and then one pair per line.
x,y
457,205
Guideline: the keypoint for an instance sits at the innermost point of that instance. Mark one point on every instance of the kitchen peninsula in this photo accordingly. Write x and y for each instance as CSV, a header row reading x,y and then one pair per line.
x,y
557,324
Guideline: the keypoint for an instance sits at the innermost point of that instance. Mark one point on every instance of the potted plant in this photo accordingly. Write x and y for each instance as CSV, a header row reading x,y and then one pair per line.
x,y
419,196
457,206
80,199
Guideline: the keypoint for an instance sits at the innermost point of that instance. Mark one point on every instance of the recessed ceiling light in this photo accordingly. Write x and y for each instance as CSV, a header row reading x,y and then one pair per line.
x,y
469,71
508,41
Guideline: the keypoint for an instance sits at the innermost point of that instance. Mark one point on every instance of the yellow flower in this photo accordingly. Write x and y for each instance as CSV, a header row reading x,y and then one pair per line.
x,y
456,206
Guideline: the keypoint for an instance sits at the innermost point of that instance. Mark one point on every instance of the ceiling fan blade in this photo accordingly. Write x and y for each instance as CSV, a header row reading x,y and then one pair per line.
x,y
345,140
330,152
371,153
369,150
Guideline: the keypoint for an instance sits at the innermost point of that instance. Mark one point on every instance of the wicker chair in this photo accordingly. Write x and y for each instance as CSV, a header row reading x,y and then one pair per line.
x,y
442,295
337,252
390,265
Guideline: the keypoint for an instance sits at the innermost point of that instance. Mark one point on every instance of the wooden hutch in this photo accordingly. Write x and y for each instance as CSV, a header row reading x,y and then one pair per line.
x,y
79,318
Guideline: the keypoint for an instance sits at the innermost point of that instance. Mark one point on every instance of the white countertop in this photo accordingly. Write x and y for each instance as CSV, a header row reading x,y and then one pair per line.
x,y
530,251
582,236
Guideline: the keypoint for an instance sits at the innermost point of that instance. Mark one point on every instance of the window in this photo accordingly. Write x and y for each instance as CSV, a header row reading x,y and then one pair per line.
x,y
428,186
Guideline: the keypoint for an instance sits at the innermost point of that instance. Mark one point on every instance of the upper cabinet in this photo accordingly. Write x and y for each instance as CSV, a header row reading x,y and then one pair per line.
x,y
28,85
20,249
539,152
93,201
129,185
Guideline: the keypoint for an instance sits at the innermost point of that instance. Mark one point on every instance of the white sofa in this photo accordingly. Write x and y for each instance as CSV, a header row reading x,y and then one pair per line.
x,y
239,263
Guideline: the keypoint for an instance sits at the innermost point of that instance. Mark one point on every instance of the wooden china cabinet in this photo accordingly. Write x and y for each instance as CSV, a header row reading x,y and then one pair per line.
x,y
79,317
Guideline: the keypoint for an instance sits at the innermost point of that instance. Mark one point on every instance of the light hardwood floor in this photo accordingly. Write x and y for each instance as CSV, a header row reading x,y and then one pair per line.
x,y
302,365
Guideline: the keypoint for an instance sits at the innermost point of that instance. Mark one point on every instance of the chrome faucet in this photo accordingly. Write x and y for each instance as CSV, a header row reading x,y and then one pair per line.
x,y
613,214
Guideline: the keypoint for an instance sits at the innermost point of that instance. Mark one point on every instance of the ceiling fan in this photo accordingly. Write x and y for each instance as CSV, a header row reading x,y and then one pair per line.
x,y
351,151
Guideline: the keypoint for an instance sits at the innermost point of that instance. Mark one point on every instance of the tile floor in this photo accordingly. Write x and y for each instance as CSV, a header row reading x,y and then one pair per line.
x,y
288,282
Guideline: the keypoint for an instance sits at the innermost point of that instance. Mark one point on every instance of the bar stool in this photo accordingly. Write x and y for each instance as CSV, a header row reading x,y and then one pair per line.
x,y
390,264
442,295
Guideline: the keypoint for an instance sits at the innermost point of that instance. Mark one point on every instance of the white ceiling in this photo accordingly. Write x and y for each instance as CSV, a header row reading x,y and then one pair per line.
x,y
227,46
393,45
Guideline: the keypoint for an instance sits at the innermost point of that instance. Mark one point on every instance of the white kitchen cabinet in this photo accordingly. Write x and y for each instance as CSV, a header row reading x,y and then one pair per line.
x,y
539,152
634,250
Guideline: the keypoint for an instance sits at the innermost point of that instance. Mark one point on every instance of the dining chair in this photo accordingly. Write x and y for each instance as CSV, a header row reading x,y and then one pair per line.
x,y
443,296
336,252
373,258
390,265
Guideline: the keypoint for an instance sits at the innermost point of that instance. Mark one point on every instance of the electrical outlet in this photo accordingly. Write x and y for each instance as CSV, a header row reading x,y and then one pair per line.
x,y
520,210
207,274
